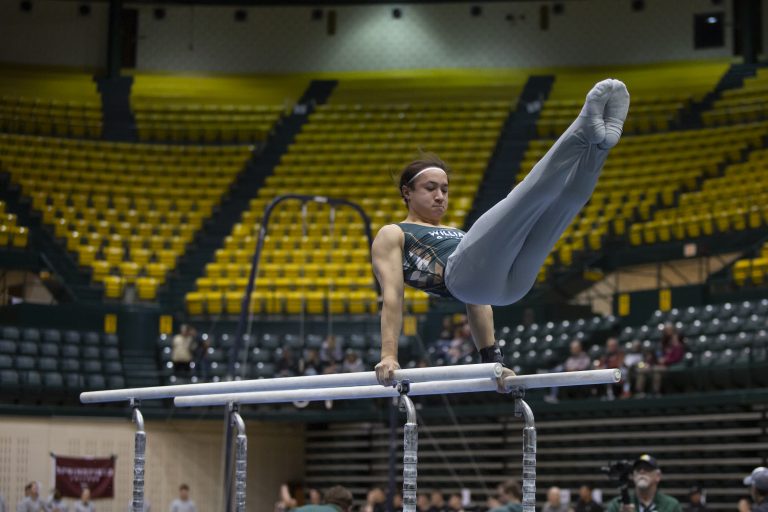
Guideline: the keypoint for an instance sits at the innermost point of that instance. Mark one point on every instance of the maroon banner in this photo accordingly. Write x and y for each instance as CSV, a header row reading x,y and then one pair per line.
x,y
73,474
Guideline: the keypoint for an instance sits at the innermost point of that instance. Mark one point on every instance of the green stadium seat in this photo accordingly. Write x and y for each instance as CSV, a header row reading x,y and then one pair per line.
x,y
92,367
7,347
51,336
70,365
47,364
70,351
31,334
49,350
28,348
25,363
10,333
72,337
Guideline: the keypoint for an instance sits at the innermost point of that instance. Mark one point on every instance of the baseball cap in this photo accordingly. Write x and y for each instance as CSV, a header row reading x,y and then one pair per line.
x,y
646,460
758,478
696,489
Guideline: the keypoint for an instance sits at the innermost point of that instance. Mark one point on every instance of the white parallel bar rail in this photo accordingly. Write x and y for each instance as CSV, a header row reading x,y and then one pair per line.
x,y
544,380
438,373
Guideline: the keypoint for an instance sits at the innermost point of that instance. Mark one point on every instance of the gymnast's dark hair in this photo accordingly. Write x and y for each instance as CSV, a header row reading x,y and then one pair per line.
x,y
425,159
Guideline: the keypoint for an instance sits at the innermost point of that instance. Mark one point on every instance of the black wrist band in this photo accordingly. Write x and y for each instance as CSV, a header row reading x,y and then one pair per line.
x,y
492,354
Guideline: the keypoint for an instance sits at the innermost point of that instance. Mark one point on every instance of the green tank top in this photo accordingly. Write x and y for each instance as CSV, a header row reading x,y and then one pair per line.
x,y
425,254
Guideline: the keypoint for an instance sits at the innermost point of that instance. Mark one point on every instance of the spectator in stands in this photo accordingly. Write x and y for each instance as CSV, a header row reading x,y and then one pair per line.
x,y
397,502
56,503
31,501
182,350
84,504
443,344
336,499
758,483
315,497
744,505
331,350
287,502
646,496
695,500
310,364
644,368
577,361
632,359
352,362
585,502
508,497
375,500
183,503
613,357
672,354
437,502
461,344
554,501
454,503
201,358
422,503
286,366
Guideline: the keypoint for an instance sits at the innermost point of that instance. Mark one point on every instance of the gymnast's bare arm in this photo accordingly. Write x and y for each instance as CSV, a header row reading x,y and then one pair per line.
x,y
387,255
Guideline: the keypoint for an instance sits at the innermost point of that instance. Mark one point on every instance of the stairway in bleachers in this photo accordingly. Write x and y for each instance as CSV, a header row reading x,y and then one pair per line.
x,y
242,191
713,446
75,281
732,79
510,149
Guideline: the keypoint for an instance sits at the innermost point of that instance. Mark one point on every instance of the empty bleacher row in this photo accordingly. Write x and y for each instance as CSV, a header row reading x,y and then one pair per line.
x,y
211,109
49,103
734,201
11,234
744,104
52,365
710,448
127,211
660,94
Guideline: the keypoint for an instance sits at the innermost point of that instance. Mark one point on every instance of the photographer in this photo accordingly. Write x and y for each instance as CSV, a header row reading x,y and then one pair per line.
x,y
758,482
646,476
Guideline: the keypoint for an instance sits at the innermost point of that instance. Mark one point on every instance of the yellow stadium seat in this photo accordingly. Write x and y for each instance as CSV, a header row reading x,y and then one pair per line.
x,y
214,303
194,302
113,287
146,288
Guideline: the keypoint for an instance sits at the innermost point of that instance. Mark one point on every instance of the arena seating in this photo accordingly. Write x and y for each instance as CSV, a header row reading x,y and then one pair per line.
x,y
51,103
695,444
752,270
345,151
128,211
742,105
211,109
51,365
660,93
11,234
733,202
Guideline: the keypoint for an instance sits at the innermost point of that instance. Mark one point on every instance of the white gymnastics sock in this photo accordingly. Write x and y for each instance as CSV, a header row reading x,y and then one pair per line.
x,y
615,113
593,111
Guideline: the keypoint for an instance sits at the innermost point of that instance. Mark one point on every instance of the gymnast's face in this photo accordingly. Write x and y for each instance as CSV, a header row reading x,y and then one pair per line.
x,y
428,199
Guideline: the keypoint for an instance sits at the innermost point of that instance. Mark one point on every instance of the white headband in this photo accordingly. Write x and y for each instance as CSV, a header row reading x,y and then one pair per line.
x,y
425,170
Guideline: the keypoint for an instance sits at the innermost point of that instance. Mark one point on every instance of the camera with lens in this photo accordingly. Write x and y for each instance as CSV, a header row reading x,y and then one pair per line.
x,y
620,473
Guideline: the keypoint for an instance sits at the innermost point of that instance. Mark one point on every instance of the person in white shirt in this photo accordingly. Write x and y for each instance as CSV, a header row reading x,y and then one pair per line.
x,y
84,504
183,503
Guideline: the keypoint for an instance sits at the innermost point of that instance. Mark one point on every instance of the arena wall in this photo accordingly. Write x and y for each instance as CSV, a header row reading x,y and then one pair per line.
x,y
178,451
286,39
